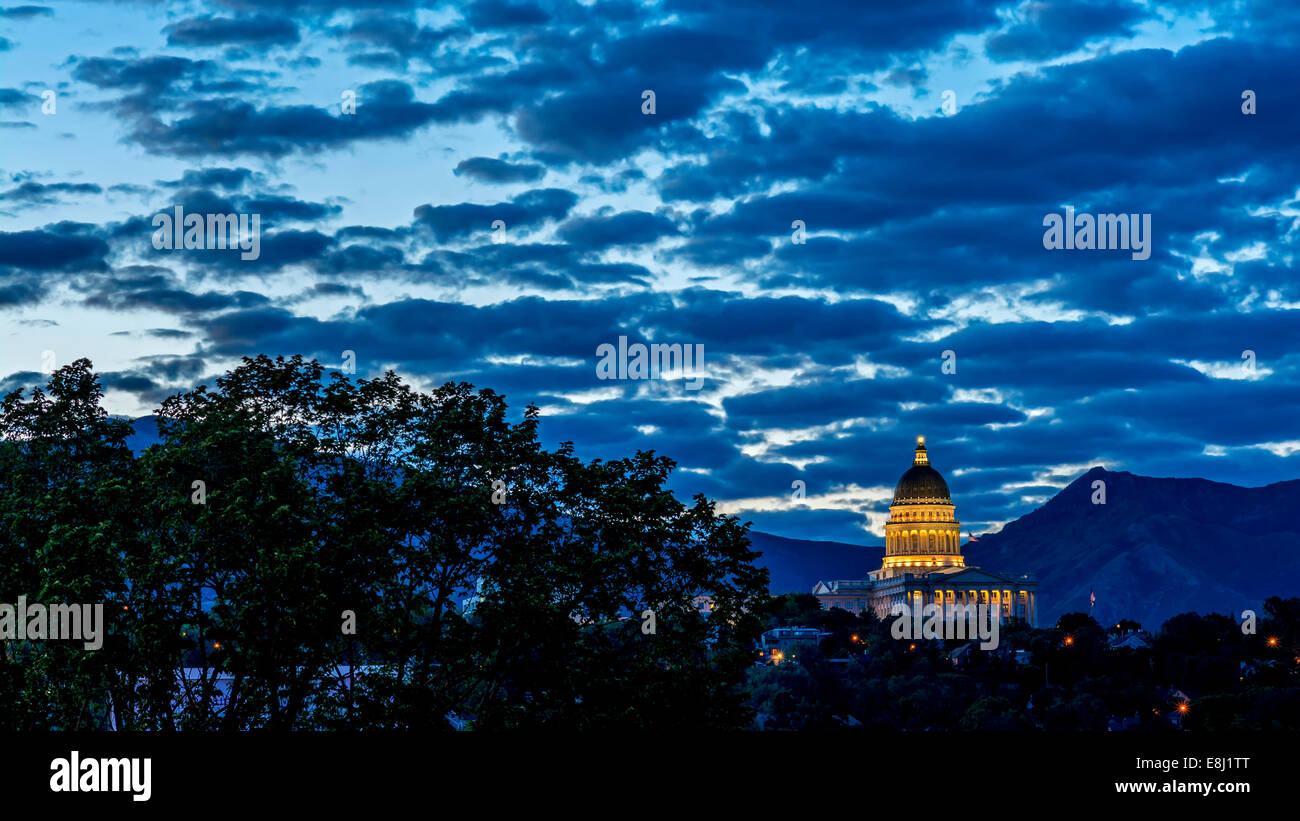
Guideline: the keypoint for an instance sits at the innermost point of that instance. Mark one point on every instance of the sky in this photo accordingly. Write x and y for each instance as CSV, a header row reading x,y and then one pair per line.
x,y
842,205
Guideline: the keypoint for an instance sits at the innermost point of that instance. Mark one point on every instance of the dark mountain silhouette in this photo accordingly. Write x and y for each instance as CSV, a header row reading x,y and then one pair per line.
x,y
1156,548
146,434
795,565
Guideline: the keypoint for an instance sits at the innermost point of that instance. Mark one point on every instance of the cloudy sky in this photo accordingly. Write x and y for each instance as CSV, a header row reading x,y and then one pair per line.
x,y
920,143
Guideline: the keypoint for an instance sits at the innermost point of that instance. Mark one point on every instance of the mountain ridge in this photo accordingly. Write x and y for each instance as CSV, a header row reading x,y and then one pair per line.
x,y
1155,548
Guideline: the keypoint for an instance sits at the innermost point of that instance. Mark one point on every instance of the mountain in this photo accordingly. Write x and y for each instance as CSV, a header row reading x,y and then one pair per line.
x,y
1156,548
795,565
146,434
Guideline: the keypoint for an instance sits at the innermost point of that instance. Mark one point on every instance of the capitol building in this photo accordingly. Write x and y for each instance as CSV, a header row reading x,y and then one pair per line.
x,y
923,560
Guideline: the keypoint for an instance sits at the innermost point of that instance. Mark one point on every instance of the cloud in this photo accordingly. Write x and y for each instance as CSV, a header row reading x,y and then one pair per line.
x,y
489,14
176,109
26,12
922,229
529,209
487,169
53,248
1055,28
35,193
227,179
627,228
255,32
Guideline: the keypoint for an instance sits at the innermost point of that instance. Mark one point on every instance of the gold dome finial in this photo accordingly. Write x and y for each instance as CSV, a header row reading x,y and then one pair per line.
x,y
921,457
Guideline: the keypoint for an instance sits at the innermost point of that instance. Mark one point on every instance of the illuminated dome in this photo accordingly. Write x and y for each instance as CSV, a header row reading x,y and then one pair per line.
x,y
921,484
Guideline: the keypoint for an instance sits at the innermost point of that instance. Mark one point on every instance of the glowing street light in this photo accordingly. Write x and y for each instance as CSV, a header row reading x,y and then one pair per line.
x,y
1272,641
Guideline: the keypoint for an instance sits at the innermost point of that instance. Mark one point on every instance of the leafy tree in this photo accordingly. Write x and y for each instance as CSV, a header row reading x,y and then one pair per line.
x,y
65,525
996,714
1123,627
321,494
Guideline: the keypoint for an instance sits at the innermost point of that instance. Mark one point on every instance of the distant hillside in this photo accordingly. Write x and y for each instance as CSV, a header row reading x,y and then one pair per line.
x,y
1158,547
795,565
146,434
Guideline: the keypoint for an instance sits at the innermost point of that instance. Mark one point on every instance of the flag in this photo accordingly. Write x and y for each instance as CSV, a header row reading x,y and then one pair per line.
x,y
973,537
1093,598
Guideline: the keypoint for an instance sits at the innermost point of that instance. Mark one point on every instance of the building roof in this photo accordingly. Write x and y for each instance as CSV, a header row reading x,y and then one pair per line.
x,y
1132,640
921,484
845,586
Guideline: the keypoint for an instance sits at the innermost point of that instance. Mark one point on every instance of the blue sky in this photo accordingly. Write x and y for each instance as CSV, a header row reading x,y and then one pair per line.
x,y
823,358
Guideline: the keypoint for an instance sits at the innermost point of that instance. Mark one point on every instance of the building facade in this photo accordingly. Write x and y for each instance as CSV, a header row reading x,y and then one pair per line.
x,y
783,643
923,561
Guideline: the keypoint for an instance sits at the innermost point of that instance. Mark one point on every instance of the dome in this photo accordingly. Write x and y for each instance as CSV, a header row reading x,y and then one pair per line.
x,y
921,484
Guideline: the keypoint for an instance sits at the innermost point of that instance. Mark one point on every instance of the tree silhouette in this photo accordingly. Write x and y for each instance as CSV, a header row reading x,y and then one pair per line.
x,y
322,494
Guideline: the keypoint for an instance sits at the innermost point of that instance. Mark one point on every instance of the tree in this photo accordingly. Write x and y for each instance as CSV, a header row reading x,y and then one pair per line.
x,y
1123,627
65,529
996,714
321,494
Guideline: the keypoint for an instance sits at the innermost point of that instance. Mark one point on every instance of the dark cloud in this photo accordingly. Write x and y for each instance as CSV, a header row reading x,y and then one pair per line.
x,y
172,300
26,12
391,39
287,208
16,294
257,31
1054,28
52,249
487,169
490,14
35,193
22,380
923,234
201,122
153,74
529,209
14,98
228,179
627,228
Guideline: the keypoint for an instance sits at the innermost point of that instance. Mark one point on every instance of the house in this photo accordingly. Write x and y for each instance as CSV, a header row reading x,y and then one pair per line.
x,y
1131,641
783,643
